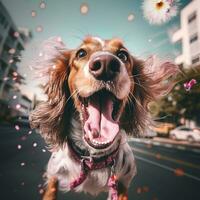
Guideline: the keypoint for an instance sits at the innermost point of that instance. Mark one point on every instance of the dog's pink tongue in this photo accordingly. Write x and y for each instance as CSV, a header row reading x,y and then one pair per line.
x,y
100,125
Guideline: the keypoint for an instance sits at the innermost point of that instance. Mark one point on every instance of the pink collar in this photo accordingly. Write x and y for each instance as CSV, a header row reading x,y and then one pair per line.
x,y
89,163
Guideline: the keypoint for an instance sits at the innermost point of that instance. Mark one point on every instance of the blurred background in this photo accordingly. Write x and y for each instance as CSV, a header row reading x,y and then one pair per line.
x,y
168,157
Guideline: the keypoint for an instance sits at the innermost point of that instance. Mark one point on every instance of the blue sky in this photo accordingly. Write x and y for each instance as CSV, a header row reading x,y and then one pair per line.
x,y
106,19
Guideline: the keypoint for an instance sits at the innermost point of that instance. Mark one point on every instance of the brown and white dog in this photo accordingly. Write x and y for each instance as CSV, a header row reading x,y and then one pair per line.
x,y
97,94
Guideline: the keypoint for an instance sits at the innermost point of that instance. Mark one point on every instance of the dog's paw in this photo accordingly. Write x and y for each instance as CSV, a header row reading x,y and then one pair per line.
x,y
51,191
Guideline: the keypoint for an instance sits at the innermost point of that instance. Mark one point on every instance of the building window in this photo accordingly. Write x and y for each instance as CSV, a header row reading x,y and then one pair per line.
x,y
192,17
193,38
196,59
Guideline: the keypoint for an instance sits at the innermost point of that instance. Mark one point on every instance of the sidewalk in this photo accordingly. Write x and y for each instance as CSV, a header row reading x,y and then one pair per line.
x,y
169,143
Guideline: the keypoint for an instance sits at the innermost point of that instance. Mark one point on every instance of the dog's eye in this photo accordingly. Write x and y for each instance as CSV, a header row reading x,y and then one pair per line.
x,y
81,53
122,55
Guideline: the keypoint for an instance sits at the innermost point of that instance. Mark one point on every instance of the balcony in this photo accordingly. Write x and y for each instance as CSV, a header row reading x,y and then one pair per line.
x,y
177,36
179,59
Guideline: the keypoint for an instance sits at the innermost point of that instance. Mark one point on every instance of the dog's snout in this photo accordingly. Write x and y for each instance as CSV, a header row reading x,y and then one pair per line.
x,y
104,67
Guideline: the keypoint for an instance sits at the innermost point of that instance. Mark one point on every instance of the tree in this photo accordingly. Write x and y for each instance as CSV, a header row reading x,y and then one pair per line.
x,y
180,103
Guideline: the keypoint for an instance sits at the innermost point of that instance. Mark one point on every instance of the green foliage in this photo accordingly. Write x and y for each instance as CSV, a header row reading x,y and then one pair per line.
x,y
179,102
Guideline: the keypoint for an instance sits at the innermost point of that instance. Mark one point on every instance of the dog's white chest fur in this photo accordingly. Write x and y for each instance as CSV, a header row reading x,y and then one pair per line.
x,y
66,169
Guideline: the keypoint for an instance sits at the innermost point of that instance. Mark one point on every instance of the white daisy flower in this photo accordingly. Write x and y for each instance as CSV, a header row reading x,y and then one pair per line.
x,y
159,11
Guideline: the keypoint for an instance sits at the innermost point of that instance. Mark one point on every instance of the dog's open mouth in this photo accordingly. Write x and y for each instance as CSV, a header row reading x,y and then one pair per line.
x,y
101,112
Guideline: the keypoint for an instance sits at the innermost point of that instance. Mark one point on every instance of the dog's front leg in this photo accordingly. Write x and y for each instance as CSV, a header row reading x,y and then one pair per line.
x,y
122,193
51,191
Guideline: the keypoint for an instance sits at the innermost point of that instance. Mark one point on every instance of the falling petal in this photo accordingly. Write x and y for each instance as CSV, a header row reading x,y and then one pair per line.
x,y
18,106
44,150
22,164
39,185
17,127
188,85
11,61
22,183
39,28
42,5
158,156
139,190
149,40
14,97
11,51
16,34
41,191
5,78
40,54
131,17
33,13
19,146
59,39
84,9
23,138
54,66
29,132
179,172
15,74
34,144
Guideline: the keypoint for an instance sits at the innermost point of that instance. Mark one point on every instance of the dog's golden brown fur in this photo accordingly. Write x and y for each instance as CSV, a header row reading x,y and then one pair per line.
x,y
68,80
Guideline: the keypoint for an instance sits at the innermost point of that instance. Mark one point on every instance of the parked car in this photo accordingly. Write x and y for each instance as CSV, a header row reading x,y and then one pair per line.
x,y
163,129
185,133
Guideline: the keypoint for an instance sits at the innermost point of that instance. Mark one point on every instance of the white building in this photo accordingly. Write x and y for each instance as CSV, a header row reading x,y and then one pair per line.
x,y
189,35
12,43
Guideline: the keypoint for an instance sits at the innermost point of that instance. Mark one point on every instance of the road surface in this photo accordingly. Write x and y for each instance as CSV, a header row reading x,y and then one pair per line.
x,y
164,173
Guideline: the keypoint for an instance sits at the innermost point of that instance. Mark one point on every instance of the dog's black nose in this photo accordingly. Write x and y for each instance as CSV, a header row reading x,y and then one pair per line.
x,y
104,67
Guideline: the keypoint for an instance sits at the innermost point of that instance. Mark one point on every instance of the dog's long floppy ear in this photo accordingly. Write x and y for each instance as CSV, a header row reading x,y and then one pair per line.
x,y
151,80
49,116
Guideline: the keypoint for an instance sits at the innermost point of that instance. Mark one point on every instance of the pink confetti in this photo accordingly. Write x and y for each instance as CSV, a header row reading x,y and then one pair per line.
x,y
5,78
33,13
131,17
39,28
11,51
34,144
15,74
42,5
17,127
41,191
84,9
23,138
19,146
11,61
188,85
59,39
16,34
18,106
22,164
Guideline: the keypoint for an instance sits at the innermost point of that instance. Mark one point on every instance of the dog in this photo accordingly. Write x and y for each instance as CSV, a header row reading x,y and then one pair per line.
x,y
97,94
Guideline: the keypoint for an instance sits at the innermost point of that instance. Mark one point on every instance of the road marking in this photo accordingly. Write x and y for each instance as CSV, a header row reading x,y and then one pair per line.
x,y
168,145
161,157
157,143
166,167
180,147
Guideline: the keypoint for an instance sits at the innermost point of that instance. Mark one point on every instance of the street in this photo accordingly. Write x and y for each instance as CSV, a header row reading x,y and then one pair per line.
x,y
164,173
